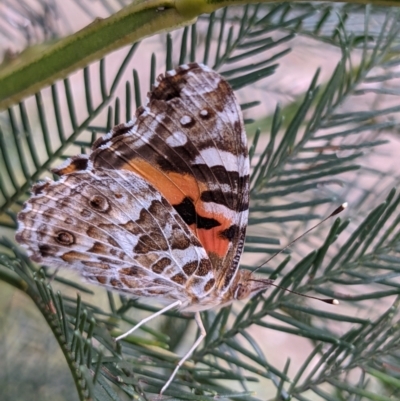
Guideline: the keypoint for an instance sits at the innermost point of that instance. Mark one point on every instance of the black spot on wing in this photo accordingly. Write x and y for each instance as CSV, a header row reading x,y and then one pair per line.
x,y
80,163
227,199
188,213
230,233
46,250
231,200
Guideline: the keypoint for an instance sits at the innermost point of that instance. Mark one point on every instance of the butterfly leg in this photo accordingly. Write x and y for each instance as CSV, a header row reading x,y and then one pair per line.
x,y
147,319
194,346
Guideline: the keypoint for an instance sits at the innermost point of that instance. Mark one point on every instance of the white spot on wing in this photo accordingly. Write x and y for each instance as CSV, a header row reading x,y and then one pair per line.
x,y
185,120
233,216
216,157
178,138
205,67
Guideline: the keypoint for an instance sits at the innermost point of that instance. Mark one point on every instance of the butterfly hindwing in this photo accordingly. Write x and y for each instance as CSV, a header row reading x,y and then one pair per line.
x,y
116,230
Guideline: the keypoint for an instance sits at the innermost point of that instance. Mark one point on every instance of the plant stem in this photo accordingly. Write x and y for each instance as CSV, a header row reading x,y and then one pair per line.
x,y
39,66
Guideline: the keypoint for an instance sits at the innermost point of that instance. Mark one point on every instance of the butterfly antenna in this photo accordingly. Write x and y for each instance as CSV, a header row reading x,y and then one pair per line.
x,y
334,213
331,301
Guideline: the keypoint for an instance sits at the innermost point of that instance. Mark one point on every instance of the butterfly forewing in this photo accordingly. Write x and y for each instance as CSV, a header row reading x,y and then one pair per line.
x,y
189,142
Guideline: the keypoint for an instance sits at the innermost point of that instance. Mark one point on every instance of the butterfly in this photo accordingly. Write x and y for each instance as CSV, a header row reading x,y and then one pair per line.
x,y
159,208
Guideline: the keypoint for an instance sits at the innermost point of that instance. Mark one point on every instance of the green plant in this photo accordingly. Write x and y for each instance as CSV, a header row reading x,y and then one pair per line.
x,y
326,136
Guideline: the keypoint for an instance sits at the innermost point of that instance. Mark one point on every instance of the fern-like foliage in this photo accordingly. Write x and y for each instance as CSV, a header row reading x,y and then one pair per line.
x,y
309,155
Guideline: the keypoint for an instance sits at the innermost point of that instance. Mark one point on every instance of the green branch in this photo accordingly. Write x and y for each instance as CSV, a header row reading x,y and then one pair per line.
x,y
39,66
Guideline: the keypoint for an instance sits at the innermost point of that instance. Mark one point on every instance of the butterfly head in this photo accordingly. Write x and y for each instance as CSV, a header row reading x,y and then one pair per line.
x,y
247,284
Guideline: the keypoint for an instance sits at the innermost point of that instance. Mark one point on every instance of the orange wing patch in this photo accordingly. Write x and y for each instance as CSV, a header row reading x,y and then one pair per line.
x,y
177,188
213,239
173,186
